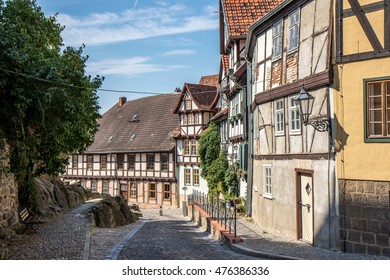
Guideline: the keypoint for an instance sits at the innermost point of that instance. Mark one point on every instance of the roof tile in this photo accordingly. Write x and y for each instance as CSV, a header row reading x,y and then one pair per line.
x,y
152,131
241,14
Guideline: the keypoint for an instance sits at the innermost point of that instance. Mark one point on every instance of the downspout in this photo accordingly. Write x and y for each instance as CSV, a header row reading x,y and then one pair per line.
x,y
250,138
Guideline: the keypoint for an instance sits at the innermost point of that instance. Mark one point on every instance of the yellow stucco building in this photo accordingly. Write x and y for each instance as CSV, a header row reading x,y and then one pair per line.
x,y
362,123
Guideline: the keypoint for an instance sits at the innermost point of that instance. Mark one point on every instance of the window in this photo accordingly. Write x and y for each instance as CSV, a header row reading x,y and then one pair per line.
x,y
293,36
190,119
105,187
150,162
103,162
164,162
277,36
90,162
197,118
93,186
167,192
187,176
295,120
378,109
195,177
184,119
237,98
133,189
120,161
188,104
152,190
131,162
267,171
279,117
186,147
194,150
75,161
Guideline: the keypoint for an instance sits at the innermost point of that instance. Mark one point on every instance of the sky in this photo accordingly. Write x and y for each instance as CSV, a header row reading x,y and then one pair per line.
x,y
149,46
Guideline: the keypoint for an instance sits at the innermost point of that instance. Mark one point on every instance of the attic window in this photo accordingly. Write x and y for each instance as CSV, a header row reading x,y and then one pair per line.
x,y
110,138
135,118
132,137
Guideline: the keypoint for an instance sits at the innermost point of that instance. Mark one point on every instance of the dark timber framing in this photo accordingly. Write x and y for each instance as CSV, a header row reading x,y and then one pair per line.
x,y
360,12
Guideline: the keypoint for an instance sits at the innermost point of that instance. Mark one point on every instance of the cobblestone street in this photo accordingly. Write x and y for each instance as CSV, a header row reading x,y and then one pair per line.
x,y
175,239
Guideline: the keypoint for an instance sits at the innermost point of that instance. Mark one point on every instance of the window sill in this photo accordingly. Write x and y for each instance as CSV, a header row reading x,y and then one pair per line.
x,y
377,140
268,196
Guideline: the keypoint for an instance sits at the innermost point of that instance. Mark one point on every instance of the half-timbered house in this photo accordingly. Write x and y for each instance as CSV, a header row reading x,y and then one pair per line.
x,y
235,17
194,108
362,123
132,154
289,50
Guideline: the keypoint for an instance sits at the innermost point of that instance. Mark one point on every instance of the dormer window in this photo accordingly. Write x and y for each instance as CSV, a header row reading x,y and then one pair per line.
x,y
135,118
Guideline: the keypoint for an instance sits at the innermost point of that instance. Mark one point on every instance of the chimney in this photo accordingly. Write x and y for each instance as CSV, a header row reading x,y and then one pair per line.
x,y
122,100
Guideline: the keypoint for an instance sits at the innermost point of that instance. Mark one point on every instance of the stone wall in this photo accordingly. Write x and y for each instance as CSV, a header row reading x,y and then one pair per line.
x,y
365,217
8,191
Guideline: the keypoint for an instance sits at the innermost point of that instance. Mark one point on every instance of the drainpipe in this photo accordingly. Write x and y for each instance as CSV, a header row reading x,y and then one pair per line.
x,y
250,138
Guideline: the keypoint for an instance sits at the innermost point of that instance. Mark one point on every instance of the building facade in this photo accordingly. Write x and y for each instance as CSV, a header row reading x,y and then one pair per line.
x,y
293,188
235,18
132,154
362,124
194,109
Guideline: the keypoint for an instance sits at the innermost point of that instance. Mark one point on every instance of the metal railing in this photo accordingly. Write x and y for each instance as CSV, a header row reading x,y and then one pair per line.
x,y
223,211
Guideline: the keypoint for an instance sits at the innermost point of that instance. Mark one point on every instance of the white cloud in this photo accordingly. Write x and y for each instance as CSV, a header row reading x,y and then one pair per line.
x,y
134,24
179,52
130,67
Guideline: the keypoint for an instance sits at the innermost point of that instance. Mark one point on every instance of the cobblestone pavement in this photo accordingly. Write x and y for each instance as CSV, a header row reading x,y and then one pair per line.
x,y
62,238
172,237
262,244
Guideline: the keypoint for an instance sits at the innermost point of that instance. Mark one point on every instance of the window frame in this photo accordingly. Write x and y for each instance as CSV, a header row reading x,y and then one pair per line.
x,y
93,186
75,161
150,160
193,147
187,175
103,163
278,112
153,191
186,147
294,110
167,193
131,162
291,27
267,184
188,104
195,177
133,189
385,94
277,40
164,162
89,162
105,187
120,161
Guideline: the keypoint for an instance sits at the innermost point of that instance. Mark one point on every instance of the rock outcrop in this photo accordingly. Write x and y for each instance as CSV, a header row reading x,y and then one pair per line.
x,y
112,212
54,197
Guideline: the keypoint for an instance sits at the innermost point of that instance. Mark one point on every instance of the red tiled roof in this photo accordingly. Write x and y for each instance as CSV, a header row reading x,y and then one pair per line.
x,y
225,62
151,132
211,80
240,14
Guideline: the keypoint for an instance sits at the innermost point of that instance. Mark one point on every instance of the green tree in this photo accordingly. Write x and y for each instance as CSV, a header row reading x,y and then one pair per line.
x,y
209,147
49,105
